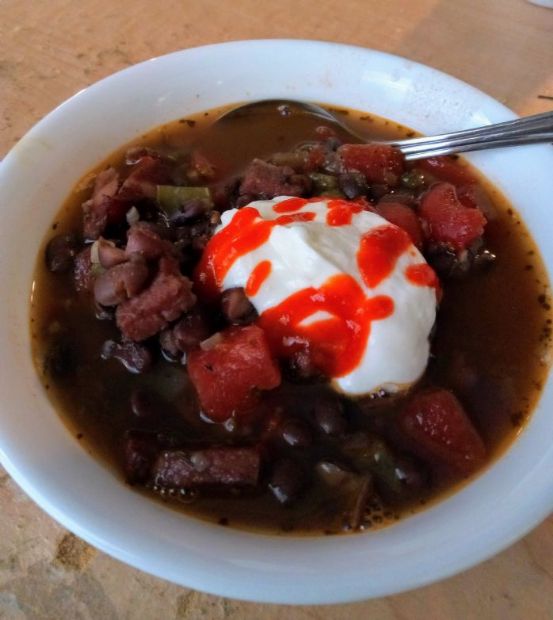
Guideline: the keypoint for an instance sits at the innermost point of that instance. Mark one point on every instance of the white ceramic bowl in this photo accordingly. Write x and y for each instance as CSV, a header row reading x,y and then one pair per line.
x,y
504,503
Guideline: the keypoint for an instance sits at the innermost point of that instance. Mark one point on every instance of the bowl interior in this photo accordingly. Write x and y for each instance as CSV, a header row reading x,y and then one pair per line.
x,y
512,496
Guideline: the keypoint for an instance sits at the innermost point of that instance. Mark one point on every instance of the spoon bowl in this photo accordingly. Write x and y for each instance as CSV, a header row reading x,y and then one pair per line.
x,y
527,130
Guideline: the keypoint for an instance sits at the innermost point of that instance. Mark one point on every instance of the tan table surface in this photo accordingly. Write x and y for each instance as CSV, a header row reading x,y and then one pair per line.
x,y
51,49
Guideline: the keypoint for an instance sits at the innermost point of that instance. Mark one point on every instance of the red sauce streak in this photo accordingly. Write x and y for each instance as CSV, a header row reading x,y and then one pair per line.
x,y
335,344
340,212
259,274
423,275
306,216
290,205
379,252
243,234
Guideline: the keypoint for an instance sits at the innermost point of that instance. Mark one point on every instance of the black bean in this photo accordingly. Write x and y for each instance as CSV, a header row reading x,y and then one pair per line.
x,y
135,357
484,259
169,348
121,282
331,474
302,367
60,253
329,415
333,143
142,404
379,190
302,184
287,481
243,200
405,198
236,307
102,313
60,359
199,242
183,236
189,210
184,336
350,490
296,433
352,184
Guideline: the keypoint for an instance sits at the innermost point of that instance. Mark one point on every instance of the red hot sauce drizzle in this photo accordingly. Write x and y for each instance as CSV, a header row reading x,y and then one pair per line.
x,y
243,234
422,275
259,274
336,344
341,212
379,252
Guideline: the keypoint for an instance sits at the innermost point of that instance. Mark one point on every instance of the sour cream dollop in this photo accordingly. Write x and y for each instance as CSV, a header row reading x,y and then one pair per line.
x,y
332,280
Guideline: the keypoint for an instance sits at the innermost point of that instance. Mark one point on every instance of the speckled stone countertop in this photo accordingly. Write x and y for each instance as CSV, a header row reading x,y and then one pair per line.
x,y
52,49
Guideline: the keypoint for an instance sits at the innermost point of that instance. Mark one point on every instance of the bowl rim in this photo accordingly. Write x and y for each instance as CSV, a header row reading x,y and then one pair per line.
x,y
513,528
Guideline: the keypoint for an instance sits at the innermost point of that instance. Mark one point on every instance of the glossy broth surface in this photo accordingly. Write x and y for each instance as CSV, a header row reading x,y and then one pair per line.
x,y
494,326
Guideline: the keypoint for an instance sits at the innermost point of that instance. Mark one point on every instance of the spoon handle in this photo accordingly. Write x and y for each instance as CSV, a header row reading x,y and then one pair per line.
x,y
528,130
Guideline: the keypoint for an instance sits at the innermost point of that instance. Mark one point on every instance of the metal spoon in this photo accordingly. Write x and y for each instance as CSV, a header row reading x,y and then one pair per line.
x,y
526,130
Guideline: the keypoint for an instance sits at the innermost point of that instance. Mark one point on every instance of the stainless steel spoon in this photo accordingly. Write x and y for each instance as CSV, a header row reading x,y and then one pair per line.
x,y
526,130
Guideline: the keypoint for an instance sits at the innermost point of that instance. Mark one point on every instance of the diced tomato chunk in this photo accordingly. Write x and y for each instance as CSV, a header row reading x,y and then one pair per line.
x,y
448,221
379,163
446,169
474,196
404,217
435,421
227,375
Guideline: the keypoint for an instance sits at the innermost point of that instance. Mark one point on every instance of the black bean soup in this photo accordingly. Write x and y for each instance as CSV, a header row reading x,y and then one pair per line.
x,y
141,367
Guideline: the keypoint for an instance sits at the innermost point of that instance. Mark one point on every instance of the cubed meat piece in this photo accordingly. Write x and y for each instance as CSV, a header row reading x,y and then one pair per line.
x,y
438,427
168,296
264,180
143,239
176,469
104,207
447,220
227,375
82,271
404,217
379,163
146,174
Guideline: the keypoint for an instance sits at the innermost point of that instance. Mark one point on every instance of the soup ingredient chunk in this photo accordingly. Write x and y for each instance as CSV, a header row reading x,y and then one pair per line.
x,y
379,163
448,220
436,423
167,297
229,466
228,375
